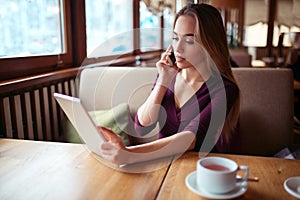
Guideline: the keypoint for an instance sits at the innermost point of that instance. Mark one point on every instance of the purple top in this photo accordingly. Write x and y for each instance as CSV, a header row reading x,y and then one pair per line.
x,y
195,115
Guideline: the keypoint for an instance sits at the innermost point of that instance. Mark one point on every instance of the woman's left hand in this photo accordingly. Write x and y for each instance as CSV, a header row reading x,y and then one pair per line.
x,y
113,149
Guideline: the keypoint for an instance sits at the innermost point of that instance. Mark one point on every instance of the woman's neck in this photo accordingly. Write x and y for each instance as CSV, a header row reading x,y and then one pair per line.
x,y
191,75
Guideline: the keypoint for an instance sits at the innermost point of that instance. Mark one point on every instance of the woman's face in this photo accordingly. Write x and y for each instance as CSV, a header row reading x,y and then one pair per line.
x,y
187,50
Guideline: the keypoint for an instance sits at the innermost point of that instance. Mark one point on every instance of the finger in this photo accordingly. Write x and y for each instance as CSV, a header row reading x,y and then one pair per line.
x,y
165,59
169,61
107,133
169,49
107,153
167,52
103,128
103,133
112,154
164,55
108,157
108,149
107,146
163,63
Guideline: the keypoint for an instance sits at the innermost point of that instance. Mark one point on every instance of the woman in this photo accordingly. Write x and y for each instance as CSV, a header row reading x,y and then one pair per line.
x,y
188,97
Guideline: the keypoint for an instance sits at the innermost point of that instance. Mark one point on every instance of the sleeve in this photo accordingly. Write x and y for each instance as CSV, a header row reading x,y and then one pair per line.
x,y
141,130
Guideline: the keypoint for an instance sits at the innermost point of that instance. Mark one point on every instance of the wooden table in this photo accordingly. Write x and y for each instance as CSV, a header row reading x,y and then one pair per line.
x,y
49,170
271,172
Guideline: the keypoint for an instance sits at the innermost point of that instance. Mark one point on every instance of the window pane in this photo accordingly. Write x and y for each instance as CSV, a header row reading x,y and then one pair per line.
x,y
108,27
30,28
287,21
168,26
150,29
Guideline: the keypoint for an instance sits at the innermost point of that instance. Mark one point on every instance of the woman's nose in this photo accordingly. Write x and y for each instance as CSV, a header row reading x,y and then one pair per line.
x,y
179,46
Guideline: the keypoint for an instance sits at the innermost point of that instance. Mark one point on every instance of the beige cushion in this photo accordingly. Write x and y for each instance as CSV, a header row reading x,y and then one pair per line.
x,y
105,87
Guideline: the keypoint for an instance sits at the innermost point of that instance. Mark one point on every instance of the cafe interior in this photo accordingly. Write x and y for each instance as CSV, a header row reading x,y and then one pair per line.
x,y
104,53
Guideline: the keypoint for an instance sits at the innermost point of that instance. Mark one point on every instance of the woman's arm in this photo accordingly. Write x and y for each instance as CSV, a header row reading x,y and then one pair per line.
x,y
115,150
148,112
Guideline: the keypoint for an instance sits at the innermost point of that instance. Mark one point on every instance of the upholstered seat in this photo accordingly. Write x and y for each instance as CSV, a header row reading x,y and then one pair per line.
x,y
266,113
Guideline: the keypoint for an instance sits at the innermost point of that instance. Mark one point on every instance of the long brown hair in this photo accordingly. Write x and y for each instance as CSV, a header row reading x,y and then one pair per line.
x,y
211,33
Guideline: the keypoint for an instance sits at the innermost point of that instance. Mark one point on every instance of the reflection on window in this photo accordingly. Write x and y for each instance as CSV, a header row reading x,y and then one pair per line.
x,y
150,30
30,28
108,27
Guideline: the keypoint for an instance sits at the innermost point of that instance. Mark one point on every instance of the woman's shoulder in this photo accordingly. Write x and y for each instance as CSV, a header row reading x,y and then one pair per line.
x,y
230,86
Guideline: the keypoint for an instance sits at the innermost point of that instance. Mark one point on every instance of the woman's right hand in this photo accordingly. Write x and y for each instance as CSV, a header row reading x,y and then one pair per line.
x,y
166,69
113,149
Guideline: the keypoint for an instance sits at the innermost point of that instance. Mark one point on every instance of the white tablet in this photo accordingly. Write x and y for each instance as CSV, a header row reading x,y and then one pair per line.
x,y
81,121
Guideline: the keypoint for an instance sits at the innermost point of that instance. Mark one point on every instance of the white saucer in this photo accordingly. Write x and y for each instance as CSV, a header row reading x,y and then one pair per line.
x,y
191,183
292,186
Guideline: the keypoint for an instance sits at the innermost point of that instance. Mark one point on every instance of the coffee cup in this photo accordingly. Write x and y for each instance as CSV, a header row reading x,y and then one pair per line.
x,y
218,175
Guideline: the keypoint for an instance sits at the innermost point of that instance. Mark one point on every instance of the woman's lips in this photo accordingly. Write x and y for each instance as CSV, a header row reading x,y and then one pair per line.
x,y
179,59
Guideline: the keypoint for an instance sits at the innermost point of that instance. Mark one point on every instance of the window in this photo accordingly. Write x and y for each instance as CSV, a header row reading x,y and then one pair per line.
x,y
256,27
43,36
108,27
150,31
31,28
256,21
286,21
35,37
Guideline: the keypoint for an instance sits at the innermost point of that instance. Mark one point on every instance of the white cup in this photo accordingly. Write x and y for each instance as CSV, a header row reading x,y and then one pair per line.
x,y
218,175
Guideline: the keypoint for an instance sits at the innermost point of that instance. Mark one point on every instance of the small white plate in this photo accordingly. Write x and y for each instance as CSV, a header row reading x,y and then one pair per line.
x,y
191,183
292,186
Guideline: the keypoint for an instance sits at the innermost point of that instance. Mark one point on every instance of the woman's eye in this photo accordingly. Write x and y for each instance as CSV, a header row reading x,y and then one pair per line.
x,y
175,38
189,41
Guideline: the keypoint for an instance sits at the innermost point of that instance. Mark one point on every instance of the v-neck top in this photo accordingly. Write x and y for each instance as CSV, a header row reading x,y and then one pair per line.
x,y
216,95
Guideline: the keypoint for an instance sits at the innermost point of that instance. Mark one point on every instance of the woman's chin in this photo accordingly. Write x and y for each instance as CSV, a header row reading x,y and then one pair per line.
x,y
183,65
